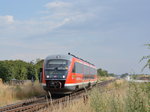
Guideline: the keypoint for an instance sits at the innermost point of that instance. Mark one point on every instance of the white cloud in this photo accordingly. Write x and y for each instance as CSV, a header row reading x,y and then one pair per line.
x,y
28,28
63,13
57,5
6,19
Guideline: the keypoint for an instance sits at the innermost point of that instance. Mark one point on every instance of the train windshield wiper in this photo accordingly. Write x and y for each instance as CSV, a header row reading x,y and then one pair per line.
x,y
57,67
60,67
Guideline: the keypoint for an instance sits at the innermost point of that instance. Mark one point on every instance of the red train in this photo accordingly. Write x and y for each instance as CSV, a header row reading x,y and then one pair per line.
x,y
63,74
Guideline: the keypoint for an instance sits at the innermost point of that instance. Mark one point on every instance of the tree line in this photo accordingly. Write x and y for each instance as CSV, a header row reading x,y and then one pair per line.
x,y
21,70
101,72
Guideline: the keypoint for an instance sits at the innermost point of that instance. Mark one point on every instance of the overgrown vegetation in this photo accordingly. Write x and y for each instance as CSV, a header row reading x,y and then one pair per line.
x,y
125,97
10,94
120,96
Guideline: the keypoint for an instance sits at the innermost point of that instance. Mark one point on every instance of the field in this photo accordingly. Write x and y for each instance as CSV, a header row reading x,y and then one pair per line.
x,y
120,96
10,94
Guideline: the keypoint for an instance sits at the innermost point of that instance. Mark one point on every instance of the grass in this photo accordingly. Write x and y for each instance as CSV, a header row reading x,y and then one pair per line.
x,y
10,94
122,97
119,96
73,106
100,79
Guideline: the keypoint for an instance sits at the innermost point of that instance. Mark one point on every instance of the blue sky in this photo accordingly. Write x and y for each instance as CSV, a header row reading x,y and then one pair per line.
x,y
110,34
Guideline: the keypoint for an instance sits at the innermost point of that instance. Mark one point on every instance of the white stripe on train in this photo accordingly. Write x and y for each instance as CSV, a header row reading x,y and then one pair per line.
x,y
74,84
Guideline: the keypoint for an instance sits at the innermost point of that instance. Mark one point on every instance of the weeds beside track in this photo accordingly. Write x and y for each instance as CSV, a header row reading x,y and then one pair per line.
x,y
36,104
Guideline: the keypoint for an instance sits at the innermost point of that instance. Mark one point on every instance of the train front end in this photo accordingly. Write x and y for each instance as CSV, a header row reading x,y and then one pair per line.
x,y
55,71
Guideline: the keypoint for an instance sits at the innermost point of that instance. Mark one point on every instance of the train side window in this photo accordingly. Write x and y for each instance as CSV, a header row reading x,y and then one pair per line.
x,y
79,68
93,71
86,70
74,69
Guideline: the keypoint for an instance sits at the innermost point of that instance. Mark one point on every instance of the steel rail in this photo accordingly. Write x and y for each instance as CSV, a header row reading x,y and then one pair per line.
x,y
21,104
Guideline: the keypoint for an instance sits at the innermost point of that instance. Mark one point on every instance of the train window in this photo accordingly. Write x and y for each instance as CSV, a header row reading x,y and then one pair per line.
x,y
92,71
78,68
83,69
57,62
95,72
86,70
89,70
74,68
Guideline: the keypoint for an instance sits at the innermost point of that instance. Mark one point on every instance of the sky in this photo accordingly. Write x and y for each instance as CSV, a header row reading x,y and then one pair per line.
x,y
110,34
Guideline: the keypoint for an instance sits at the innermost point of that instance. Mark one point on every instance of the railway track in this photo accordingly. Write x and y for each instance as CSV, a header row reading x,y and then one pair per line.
x,y
35,104
22,104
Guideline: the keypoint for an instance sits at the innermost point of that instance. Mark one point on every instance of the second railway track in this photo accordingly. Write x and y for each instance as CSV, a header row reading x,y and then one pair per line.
x,y
35,104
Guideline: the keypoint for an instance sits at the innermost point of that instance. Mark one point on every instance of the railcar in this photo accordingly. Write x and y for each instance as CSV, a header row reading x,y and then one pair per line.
x,y
64,74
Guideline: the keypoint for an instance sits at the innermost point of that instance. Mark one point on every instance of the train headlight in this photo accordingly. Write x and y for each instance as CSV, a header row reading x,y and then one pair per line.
x,y
47,76
63,76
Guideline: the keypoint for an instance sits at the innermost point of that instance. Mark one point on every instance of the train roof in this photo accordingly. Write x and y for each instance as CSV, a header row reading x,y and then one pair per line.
x,y
66,57
58,56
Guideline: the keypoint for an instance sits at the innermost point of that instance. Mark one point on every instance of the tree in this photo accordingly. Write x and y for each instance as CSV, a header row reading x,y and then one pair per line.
x,y
20,68
147,58
111,74
101,72
124,75
38,65
31,71
5,72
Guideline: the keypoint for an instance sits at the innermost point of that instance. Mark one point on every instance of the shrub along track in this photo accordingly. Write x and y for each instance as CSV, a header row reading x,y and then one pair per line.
x,y
35,104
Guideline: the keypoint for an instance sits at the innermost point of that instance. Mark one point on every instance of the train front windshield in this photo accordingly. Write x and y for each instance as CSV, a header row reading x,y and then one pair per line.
x,y
56,69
